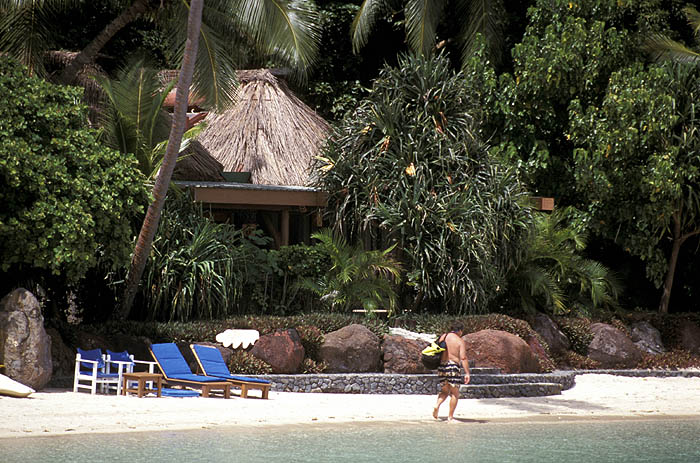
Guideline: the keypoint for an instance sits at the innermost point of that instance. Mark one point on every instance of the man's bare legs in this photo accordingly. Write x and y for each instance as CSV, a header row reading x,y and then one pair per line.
x,y
442,395
454,398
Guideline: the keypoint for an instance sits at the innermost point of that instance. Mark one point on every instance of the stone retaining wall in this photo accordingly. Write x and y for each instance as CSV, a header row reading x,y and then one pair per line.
x,y
379,383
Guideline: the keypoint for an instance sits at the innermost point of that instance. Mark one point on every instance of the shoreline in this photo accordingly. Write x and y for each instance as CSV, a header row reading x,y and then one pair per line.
x,y
595,397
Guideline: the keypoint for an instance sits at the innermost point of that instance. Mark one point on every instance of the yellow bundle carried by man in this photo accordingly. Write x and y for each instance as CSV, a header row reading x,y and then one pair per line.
x,y
430,356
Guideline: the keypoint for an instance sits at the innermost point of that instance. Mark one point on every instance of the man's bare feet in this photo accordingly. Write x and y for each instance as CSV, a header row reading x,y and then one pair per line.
x,y
435,413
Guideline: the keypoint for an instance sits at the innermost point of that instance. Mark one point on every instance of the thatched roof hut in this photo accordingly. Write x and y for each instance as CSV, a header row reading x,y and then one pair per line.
x,y
269,132
195,163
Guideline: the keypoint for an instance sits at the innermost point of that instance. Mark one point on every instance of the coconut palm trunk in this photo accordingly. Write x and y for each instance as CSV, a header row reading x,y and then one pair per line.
x,y
160,189
87,55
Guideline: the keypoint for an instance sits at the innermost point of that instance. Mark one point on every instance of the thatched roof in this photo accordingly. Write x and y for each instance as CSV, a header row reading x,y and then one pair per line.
x,y
196,164
268,132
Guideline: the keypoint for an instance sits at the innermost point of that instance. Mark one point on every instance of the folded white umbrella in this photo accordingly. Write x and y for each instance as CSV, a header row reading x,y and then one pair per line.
x,y
238,338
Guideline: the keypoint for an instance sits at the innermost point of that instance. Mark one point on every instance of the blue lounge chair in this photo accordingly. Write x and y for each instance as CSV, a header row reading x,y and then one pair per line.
x,y
212,364
176,371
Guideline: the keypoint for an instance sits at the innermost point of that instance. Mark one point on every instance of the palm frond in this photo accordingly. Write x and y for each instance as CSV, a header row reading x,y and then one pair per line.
x,y
363,23
134,120
662,48
422,18
483,18
214,81
286,29
693,18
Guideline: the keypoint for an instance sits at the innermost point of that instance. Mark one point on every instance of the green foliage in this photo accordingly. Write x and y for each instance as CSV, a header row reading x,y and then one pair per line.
x,y
310,366
335,87
578,330
406,168
272,282
133,119
197,268
66,202
311,339
638,162
554,277
244,363
356,277
422,20
567,52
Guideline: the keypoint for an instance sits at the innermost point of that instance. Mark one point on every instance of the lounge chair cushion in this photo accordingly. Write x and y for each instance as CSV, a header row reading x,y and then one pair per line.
x,y
174,366
213,364
169,392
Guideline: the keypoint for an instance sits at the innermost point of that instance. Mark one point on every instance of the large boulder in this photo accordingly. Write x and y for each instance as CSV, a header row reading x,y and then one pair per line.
x,y
689,336
556,340
612,348
647,338
25,348
282,350
402,355
62,356
351,349
500,349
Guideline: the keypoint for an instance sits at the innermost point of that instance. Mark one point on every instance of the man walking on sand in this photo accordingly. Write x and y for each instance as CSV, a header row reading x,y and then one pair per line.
x,y
455,353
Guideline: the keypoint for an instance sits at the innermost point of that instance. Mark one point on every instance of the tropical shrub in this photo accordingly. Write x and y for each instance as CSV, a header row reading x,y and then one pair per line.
x,y
671,360
578,331
197,268
67,203
356,277
311,339
407,169
310,366
245,363
554,277
273,287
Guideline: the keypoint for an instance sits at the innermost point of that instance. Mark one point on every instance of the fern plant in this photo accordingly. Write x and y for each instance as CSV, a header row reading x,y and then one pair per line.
x,y
357,277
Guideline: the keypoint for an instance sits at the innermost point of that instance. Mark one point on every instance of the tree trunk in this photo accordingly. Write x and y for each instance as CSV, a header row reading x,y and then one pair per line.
x,y
160,189
88,54
675,251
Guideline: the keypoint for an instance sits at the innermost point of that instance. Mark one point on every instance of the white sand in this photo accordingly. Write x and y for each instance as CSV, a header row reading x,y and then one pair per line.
x,y
57,412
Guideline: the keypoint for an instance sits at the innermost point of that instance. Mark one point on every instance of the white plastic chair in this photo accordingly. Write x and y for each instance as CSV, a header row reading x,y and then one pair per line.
x,y
90,371
123,362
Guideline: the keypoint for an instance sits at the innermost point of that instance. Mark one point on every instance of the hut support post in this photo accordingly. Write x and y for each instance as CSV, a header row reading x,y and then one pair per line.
x,y
284,225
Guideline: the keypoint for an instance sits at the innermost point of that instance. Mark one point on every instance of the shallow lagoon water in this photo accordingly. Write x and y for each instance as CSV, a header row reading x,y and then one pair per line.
x,y
654,440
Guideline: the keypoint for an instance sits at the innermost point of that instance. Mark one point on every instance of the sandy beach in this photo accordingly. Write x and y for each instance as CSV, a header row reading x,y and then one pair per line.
x,y
594,397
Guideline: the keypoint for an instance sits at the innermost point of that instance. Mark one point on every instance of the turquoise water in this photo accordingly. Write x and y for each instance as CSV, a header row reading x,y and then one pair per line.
x,y
427,442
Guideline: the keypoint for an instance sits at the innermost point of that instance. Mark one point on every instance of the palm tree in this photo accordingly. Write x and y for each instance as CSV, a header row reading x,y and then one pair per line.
x,y
160,189
284,29
422,18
